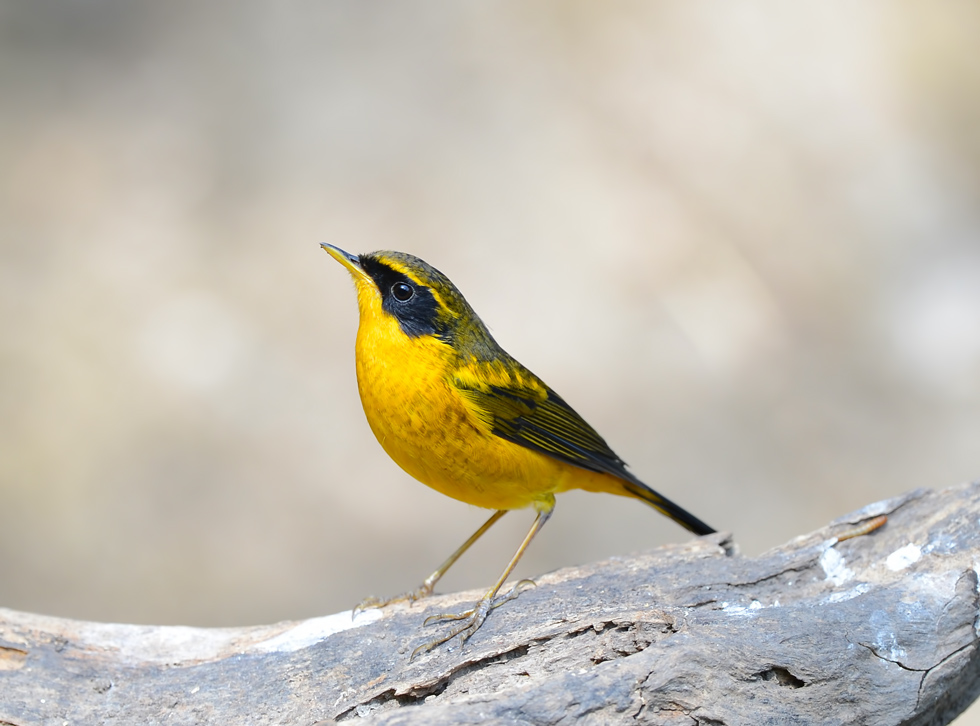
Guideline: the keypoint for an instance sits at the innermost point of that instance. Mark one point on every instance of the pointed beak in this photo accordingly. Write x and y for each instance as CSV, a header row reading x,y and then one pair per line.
x,y
348,260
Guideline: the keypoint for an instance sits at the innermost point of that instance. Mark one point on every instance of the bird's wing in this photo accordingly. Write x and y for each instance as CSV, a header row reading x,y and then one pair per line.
x,y
522,409
517,406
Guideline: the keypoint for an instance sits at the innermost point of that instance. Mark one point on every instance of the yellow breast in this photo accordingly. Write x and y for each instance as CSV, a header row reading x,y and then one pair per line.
x,y
427,428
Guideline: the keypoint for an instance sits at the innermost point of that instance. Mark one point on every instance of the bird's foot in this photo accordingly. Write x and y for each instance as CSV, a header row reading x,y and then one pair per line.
x,y
472,619
373,603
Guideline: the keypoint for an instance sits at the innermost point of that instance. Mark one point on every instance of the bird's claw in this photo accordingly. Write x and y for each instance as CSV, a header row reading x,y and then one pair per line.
x,y
375,603
474,618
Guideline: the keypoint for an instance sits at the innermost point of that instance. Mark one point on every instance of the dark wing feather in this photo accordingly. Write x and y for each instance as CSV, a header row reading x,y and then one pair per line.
x,y
546,424
532,415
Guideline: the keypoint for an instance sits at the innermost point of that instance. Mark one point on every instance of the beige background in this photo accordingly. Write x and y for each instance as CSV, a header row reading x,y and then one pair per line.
x,y
742,239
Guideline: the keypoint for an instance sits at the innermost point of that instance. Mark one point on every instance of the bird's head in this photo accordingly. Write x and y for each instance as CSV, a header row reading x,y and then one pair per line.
x,y
421,299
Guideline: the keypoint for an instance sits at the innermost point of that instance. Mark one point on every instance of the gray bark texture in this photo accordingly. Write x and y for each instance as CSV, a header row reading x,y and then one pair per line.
x,y
876,629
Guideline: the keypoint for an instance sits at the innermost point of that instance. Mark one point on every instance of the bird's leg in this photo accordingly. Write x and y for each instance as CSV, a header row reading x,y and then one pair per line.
x,y
425,589
474,618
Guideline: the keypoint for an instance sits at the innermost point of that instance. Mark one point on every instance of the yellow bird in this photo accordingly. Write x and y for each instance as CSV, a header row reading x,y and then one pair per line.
x,y
459,414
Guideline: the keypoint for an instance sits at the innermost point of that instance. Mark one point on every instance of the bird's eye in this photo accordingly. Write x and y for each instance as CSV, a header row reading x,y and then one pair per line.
x,y
402,291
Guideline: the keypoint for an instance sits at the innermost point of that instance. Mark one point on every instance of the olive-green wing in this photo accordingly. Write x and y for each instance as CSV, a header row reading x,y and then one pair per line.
x,y
526,412
539,419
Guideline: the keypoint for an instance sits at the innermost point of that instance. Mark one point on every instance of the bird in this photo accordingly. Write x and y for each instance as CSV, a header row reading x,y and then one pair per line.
x,y
456,412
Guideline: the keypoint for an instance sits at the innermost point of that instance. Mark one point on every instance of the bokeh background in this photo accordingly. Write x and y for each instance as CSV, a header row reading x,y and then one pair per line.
x,y
742,239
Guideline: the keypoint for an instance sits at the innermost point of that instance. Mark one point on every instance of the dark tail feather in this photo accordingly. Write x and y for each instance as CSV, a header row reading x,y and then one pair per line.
x,y
663,505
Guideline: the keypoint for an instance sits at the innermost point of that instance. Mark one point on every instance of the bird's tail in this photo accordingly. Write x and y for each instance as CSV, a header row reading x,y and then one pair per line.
x,y
663,505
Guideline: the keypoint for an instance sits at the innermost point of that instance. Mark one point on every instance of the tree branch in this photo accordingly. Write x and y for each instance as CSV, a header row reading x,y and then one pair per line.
x,y
881,629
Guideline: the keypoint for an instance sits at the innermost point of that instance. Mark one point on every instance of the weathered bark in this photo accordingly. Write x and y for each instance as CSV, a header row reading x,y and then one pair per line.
x,y
878,629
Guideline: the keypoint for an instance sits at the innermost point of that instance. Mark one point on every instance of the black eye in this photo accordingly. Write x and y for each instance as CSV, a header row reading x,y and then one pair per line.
x,y
402,291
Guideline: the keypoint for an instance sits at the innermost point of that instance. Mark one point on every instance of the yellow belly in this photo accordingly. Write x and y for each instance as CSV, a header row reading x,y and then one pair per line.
x,y
428,430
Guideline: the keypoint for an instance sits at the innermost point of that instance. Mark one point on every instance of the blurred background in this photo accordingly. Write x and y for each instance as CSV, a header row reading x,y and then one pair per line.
x,y
743,240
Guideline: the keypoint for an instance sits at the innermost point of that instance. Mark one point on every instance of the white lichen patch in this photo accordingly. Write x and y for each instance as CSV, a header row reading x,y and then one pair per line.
x,y
739,609
886,645
903,557
308,632
845,595
736,609
835,567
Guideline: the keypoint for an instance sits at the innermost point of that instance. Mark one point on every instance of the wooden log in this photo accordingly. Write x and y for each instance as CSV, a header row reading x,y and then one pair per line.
x,y
877,629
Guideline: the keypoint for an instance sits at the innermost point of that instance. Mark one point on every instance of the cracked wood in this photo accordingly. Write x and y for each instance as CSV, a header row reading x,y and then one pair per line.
x,y
839,626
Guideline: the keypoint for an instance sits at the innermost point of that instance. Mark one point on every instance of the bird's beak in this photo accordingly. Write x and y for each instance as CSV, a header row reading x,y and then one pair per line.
x,y
348,260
